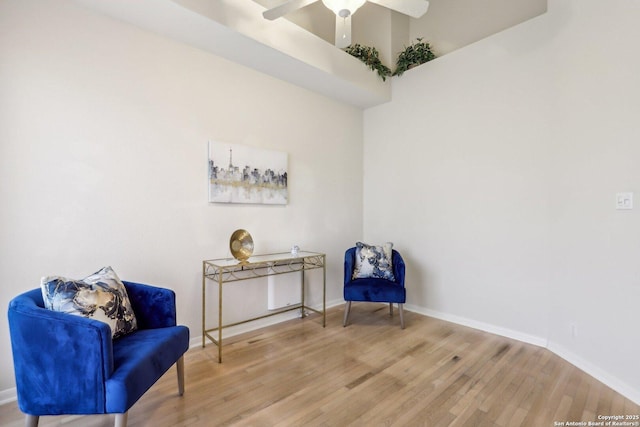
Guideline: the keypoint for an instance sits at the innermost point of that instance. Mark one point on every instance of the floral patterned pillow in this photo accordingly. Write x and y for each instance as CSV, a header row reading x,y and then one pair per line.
x,y
373,261
100,296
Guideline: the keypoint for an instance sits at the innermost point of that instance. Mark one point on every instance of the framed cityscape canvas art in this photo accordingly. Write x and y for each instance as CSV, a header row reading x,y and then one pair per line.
x,y
243,174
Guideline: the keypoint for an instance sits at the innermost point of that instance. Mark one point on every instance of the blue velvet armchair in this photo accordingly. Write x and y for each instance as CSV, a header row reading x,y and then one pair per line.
x,y
66,364
374,289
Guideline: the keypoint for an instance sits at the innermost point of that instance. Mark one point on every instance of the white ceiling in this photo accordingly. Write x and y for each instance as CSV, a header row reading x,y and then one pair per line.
x,y
299,52
448,24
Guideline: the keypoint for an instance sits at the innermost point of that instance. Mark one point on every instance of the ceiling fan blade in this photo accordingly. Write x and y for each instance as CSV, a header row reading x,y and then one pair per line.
x,y
413,8
286,7
343,32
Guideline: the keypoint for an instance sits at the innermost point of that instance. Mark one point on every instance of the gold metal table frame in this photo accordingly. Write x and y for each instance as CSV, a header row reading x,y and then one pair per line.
x,y
227,270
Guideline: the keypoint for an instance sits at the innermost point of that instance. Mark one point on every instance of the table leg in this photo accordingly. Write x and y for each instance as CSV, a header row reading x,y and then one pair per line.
x,y
324,291
204,306
220,317
302,314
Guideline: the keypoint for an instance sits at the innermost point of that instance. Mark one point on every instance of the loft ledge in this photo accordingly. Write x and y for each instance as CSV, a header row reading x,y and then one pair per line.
x,y
236,30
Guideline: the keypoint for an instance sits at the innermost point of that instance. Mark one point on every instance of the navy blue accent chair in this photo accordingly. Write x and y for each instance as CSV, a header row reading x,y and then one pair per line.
x,y
374,289
66,364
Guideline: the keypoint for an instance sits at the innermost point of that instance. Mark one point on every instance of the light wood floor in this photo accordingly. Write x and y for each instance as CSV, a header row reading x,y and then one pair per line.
x,y
371,373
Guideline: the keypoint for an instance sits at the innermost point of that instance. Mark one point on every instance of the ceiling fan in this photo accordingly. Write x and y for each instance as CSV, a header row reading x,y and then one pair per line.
x,y
345,8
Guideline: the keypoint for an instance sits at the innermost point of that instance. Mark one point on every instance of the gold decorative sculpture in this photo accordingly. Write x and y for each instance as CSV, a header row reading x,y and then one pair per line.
x,y
241,245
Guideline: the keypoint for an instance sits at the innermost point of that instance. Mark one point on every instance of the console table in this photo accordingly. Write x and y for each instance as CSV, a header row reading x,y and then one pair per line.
x,y
227,270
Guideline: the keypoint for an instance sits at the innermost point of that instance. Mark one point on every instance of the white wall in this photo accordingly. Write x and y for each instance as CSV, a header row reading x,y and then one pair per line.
x,y
103,160
494,171
383,29
595,272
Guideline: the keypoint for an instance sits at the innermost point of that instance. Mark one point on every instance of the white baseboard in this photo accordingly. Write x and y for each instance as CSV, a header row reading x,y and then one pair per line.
x,y
596,372
9,395
587,367
486,327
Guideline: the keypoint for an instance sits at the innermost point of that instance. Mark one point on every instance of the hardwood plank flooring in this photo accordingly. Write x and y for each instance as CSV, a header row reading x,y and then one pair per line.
x,y
371,373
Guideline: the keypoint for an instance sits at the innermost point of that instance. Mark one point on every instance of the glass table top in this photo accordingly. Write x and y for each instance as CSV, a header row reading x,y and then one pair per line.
x,y
262,259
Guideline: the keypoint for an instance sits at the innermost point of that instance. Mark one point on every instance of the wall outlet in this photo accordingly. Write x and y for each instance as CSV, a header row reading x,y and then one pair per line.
x,y
574,330
624,200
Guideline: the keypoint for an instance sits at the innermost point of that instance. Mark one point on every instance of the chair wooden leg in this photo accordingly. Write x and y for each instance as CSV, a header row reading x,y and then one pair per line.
x,y
347,308
31,420
121,420
401,316
391,309
180,367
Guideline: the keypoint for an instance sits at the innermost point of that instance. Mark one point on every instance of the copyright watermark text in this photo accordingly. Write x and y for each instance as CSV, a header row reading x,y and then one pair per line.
x,y
603,421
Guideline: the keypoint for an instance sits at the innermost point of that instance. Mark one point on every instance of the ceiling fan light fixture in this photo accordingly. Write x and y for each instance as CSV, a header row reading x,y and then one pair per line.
x,y
343,8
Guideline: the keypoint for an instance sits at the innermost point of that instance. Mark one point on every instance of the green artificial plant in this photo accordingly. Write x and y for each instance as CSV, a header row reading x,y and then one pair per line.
x,y
370,56
416,54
